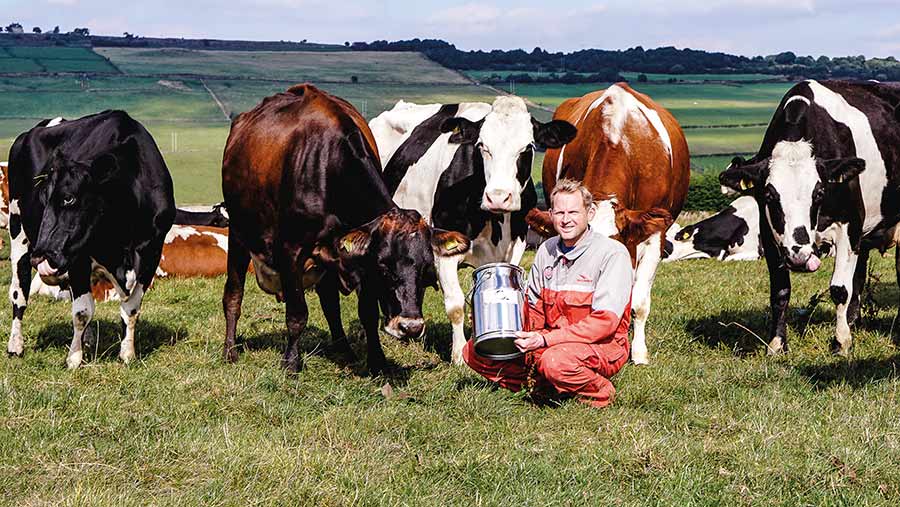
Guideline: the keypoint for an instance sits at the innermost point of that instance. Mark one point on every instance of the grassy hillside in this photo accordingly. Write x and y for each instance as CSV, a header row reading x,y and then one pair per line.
x,y
52,59
297,66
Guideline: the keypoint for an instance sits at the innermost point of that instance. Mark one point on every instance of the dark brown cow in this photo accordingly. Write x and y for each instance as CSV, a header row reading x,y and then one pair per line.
x,y
302,184
632,155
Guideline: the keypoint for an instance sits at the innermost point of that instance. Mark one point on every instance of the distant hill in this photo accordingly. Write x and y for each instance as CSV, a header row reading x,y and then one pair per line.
x,y
133,41
664,60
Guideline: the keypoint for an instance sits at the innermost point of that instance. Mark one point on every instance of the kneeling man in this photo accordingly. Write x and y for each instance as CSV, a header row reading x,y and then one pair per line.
x,y
579,302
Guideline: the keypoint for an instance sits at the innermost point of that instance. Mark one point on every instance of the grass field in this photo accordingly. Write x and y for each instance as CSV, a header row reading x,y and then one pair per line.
x,y
633,76
712,421
52,59
369,67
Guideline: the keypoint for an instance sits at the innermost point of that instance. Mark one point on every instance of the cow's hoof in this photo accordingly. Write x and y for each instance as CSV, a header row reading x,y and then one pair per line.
x,y
12,353
126,358
775,347
640,360
292,366
231,355
74,360
840,350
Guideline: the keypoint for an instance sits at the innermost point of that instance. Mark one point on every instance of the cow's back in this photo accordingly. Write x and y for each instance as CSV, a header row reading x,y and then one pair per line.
x,y
305,158
627,146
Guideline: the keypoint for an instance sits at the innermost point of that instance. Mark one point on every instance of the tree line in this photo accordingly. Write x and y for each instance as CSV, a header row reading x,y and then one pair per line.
x,y
664,60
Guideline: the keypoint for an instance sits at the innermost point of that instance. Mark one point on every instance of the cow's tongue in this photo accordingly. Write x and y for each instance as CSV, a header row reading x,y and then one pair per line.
x,y
813,263
44,269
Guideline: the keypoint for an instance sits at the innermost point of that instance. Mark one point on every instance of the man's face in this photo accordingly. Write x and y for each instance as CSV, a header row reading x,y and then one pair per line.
x,y
570,217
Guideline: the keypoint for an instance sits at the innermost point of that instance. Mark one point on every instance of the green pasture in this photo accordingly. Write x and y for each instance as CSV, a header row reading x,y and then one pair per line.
x,y
52,59
368,67
631,76
712,420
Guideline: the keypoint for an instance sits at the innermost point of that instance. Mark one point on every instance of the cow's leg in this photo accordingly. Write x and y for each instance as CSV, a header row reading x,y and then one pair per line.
x,y
20,264
845,265
454,303
296,313
82,312
233,295
895,328
327,289
640,295
368,317
859,284
779,292
130,310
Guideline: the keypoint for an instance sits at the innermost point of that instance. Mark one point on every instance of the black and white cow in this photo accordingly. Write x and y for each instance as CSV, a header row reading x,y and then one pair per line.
x,y
467,168
212,216
730,235
827,173
87,195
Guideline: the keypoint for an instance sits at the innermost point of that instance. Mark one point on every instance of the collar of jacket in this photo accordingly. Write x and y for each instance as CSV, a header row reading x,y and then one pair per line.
x,y
583,243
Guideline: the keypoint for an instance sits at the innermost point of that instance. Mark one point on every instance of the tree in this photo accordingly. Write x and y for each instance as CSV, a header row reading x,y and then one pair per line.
x,y
36,29
785,58
56,30
642,78
14,28
83,32
354,79
346,44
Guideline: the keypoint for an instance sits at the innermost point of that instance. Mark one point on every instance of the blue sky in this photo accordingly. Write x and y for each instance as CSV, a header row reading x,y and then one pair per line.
x,y
748,27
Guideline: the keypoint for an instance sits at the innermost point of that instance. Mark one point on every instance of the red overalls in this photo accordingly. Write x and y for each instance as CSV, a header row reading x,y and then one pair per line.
x,y
586,346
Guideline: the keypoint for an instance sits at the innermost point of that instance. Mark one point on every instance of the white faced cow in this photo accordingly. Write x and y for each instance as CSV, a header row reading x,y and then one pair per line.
x,y
467,168
828,172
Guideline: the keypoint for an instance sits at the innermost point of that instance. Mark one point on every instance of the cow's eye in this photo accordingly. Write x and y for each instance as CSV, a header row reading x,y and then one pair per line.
x,y
69,201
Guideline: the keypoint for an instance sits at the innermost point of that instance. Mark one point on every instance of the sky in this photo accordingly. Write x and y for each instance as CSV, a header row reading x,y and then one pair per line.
x,y
744,27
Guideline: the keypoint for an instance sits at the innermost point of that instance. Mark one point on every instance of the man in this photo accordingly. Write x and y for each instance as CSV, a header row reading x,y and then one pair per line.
x,y
579,299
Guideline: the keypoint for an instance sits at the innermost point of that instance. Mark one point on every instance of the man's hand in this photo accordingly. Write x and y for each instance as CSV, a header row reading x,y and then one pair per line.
x,y
529,340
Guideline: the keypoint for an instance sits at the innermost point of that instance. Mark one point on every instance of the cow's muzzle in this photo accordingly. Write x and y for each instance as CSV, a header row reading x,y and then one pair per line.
x,y
803,262
42,265
405,327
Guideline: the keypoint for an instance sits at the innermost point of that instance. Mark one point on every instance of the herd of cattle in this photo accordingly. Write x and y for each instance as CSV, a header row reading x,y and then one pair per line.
x,y
316,197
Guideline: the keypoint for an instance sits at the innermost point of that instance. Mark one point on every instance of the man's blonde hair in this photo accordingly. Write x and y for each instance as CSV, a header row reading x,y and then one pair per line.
x,y
569,186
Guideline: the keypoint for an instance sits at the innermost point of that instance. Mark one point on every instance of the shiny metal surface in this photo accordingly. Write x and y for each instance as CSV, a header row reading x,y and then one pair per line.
x,y
498,309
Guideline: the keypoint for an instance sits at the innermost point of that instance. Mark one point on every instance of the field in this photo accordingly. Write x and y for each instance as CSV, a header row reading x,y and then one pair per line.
x,y
52,59
633,76
712,420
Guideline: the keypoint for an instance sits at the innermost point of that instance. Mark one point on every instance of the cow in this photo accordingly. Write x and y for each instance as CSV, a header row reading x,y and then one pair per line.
x,y
467,168
730,235
213,216
632,155
827,174
307,203
86,195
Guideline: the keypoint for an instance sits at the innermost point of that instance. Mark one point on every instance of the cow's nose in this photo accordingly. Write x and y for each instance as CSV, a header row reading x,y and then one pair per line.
x,y
412,327
36,260
498,198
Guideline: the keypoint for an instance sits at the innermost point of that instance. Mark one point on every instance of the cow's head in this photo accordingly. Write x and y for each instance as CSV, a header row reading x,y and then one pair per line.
x,y
72,193
506,139
792,185
221,215
395,255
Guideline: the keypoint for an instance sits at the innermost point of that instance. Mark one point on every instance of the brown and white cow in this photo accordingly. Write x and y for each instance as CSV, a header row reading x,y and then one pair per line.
x,y
307,203
632,155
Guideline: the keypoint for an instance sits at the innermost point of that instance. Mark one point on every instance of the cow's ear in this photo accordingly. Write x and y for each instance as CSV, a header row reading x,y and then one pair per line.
x,y
635,226
840,170
685,233
464,131
553,134
743,176
344,257
540,222
111,163
448,243
354,244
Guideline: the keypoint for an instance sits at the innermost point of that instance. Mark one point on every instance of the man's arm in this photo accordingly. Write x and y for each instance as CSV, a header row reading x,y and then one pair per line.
x,y
536,318
612,293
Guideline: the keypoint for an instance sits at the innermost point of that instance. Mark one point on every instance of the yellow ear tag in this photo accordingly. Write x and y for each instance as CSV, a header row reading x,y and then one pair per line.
x,y
347,244
746,184
451,245
456,130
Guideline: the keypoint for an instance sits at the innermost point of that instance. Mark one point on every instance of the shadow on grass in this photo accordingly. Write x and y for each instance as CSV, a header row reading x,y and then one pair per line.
x,y
856,373
316,341
439,339
746,331
104,336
